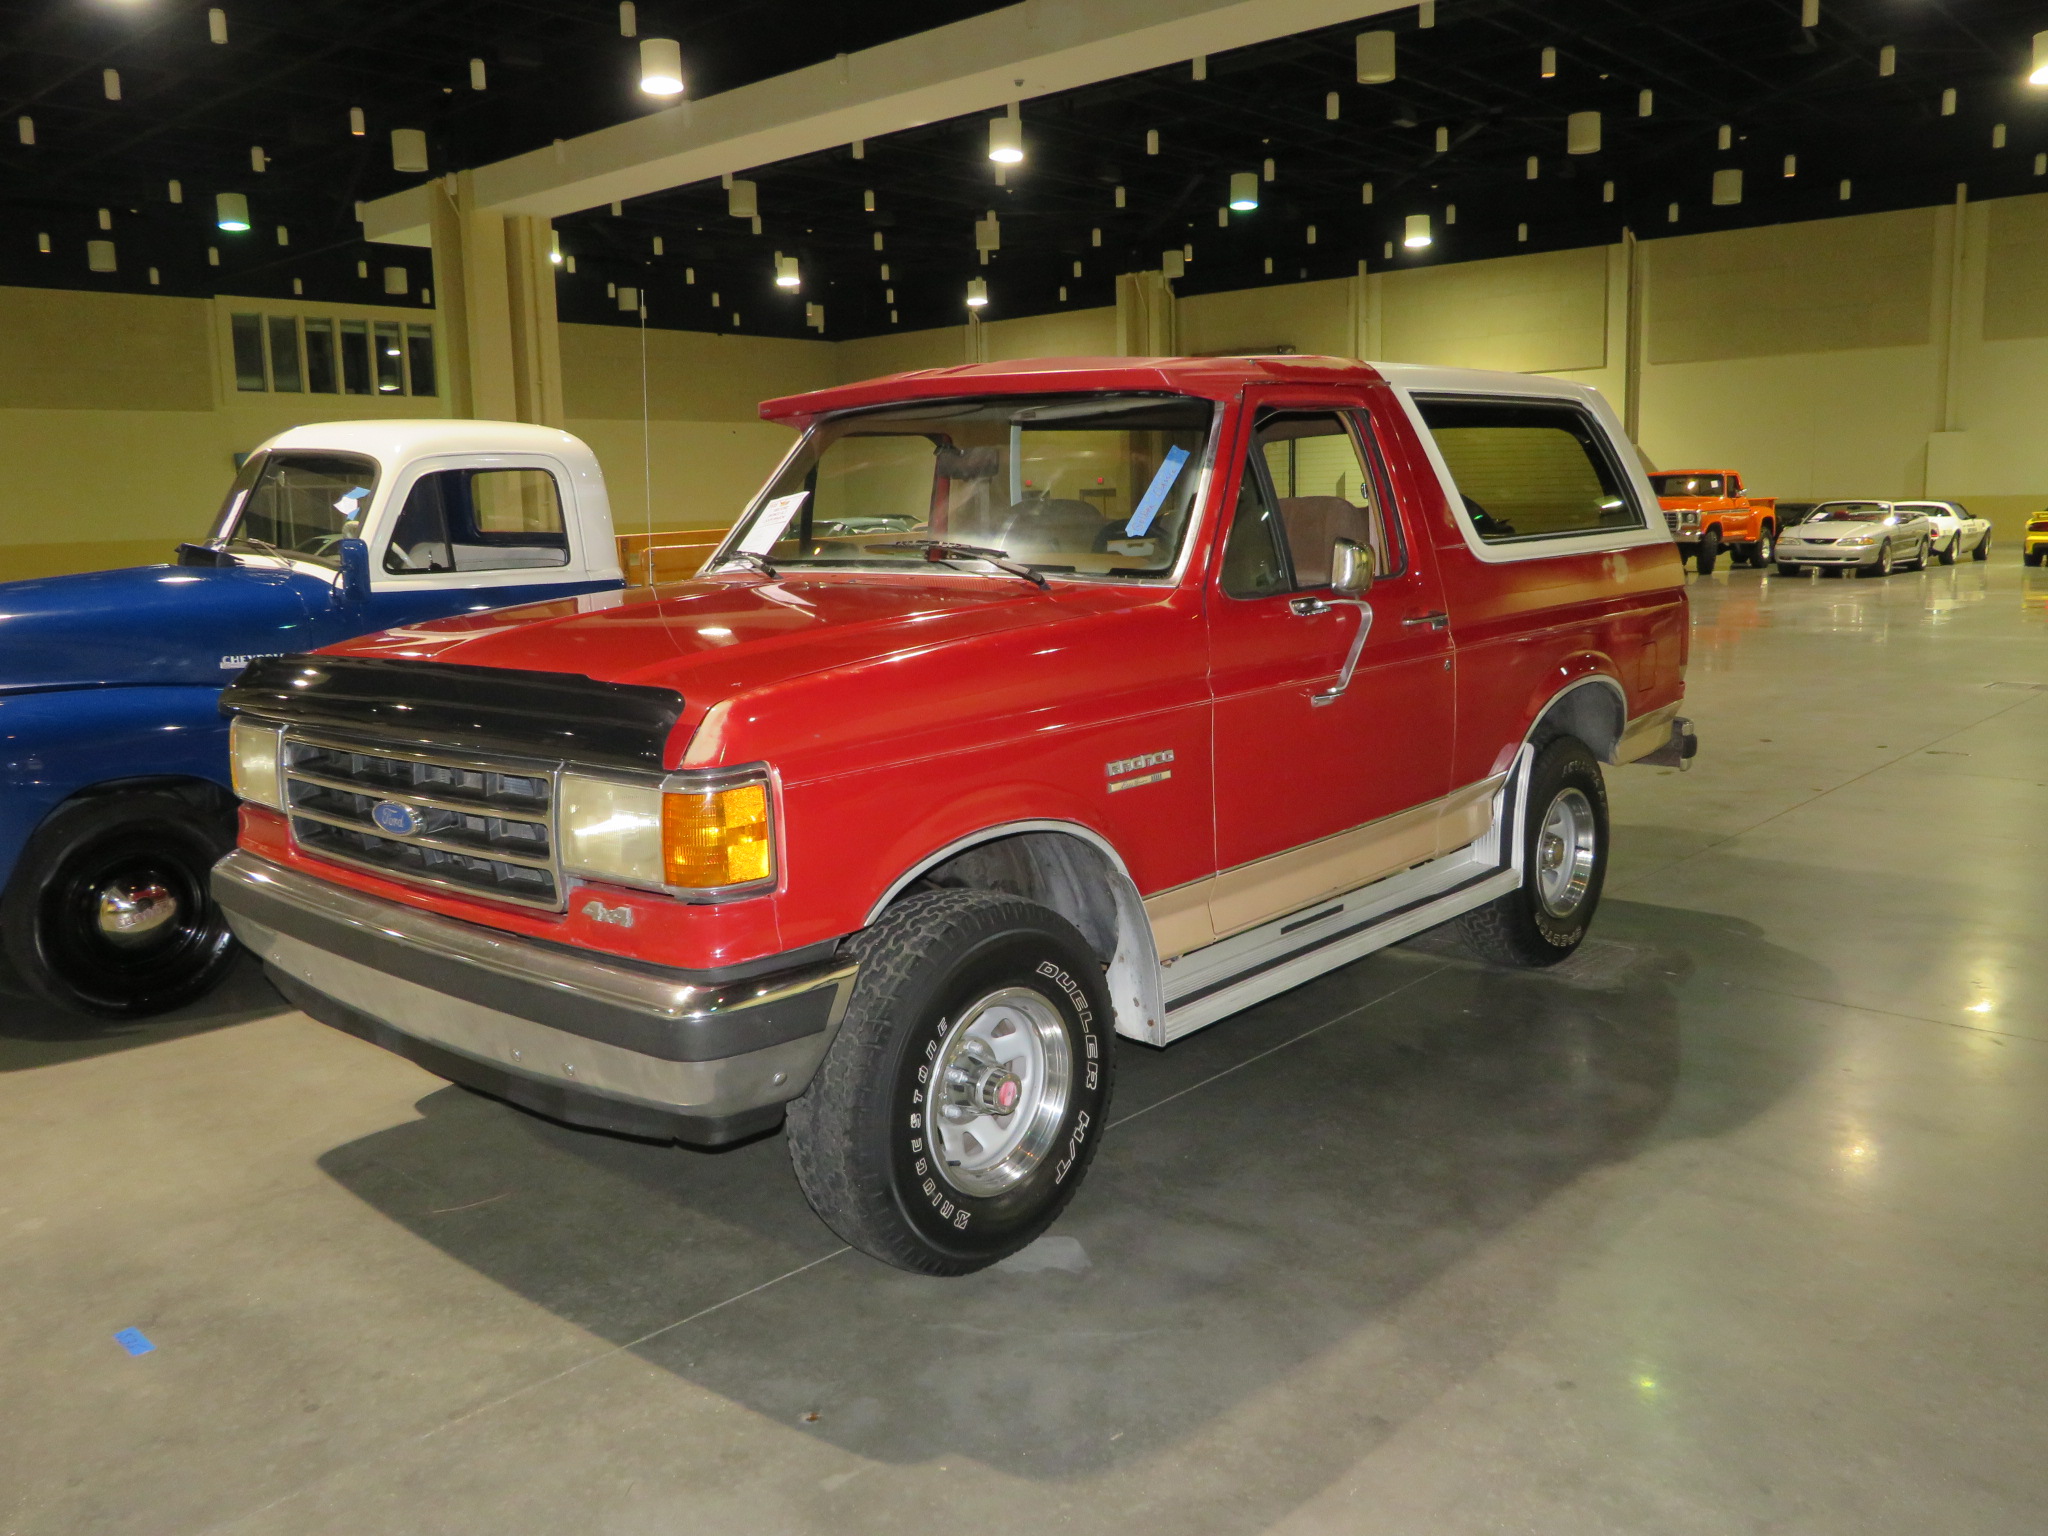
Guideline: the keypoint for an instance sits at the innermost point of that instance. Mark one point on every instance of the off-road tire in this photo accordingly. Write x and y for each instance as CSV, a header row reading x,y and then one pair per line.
x,y
857,1136
48,915
1706,552
1519,929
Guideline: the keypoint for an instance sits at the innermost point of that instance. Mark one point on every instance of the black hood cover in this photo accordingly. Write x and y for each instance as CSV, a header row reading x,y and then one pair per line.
x,y
430,704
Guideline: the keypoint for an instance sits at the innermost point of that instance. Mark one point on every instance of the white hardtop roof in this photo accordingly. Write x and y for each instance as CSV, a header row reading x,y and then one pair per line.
x,y
1479,381
399,441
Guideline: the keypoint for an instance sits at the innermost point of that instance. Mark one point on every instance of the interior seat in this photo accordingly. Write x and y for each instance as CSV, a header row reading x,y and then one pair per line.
x,y
1314,524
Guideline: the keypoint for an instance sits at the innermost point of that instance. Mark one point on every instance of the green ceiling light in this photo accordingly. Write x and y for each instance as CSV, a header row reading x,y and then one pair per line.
x,y
1244,190
231,211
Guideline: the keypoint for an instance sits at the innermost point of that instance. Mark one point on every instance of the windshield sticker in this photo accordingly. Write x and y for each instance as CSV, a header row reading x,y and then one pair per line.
x,y
1155,494
773,522
348,503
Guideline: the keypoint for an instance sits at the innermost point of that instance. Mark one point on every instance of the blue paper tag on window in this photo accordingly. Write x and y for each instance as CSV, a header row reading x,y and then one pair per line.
x,y
1155,494
134,1340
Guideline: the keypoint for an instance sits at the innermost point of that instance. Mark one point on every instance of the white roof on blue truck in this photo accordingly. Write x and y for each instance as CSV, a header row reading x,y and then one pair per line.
x,y
396,441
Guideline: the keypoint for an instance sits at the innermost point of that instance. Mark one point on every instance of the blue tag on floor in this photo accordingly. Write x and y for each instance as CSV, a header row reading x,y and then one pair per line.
x,y
134,1340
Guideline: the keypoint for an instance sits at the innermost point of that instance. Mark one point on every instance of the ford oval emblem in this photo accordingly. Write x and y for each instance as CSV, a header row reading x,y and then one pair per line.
x,y
398,820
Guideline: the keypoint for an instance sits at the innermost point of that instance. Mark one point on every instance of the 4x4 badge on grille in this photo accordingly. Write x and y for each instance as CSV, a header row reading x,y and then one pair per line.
x,y
398,820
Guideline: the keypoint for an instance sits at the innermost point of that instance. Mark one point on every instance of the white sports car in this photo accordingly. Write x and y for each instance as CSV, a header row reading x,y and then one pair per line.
x,y
1871,536
1954,529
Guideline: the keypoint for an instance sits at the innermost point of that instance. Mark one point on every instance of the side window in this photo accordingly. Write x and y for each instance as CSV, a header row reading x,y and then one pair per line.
x,y
1529,470
1305,487
479,520
1253,565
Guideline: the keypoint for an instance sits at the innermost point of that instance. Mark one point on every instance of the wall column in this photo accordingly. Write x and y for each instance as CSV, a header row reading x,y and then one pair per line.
x,y
1145,320
498,308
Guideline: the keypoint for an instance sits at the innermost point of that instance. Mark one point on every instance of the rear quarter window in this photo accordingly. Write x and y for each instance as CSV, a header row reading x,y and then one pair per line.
x,y
1529,471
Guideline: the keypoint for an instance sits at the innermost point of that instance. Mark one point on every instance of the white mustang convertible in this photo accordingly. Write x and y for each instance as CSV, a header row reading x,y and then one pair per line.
x,y
1870,536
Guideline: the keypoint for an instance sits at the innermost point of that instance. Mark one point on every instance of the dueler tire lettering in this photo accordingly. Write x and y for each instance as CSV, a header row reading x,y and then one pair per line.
x,y
1518,928
865,1138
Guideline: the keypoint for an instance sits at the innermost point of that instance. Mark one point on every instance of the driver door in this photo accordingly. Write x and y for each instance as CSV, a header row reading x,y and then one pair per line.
x,y
1316,795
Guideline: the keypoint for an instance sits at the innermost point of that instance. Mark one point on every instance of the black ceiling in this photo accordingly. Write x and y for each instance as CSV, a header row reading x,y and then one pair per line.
x,y
290,72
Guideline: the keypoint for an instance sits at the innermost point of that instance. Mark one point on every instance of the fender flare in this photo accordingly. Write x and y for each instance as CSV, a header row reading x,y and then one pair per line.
x,y
1132,970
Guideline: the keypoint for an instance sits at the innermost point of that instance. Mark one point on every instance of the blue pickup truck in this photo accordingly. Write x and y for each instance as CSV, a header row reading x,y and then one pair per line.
x,y
114,792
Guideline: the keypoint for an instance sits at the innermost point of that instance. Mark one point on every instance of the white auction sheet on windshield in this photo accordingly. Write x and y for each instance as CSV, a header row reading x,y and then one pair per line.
x,y
773,522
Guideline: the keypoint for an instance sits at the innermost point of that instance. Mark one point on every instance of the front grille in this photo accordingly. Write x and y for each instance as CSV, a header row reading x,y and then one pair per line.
x,y
483,827
1671,521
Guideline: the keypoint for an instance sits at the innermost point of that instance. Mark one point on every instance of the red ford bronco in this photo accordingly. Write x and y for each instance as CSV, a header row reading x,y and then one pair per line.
x,y
1708,511
1029,705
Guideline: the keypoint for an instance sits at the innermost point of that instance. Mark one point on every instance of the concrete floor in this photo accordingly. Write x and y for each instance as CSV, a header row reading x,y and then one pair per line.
x,y
1735,1225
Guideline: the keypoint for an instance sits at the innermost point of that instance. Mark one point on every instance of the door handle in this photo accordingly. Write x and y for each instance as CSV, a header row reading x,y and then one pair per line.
x,y
1433,620
1309,607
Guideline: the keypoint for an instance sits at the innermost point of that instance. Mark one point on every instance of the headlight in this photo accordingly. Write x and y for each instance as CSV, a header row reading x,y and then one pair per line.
x,y
255,758
1688,519
691,833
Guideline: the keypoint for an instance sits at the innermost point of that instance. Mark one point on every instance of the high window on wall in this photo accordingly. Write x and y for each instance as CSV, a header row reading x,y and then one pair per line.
x,y
302,354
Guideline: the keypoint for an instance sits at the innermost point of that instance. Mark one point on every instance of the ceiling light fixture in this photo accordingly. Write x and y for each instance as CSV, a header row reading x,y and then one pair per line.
x,y
409,150
977,292
1376,64
1244,190
231,210
1582,133
661,66
1006,138
2039,76
216,25
1548,70
786,274
1417,234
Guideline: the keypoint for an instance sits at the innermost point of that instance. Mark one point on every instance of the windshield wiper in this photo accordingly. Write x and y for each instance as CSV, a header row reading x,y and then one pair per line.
x,y
939,551
758,562
263,548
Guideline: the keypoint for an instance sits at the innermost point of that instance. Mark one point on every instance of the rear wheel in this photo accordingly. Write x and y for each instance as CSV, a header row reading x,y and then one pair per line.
x,y
1765,549
109,913
2031,556
1919,561
1564,863
1707,552
1947,554
963,1097
1983,549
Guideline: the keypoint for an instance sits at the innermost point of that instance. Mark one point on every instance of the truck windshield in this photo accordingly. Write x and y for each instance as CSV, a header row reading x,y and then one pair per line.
x,y
1688,485
1075,485
293,502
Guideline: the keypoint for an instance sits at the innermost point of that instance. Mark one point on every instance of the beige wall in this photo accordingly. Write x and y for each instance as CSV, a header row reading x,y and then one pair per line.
x,y
1888,354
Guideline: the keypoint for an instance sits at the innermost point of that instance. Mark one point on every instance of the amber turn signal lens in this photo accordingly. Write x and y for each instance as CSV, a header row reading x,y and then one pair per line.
x,y
715,838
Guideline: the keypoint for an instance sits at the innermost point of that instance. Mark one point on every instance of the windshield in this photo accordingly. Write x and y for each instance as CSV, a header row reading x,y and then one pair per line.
x,y
1850,512
295,503
1089,485
1687,485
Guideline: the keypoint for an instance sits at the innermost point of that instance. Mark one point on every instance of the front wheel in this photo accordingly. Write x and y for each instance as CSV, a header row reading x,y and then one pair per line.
x,y
963,1097
1882,566
1790,570
1564,864
109,914
1707,552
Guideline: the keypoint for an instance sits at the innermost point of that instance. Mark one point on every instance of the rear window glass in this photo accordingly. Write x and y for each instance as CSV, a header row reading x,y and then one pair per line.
x,y
1529,470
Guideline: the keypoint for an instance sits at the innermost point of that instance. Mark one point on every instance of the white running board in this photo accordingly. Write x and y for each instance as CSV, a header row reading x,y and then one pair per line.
x,y
1220,979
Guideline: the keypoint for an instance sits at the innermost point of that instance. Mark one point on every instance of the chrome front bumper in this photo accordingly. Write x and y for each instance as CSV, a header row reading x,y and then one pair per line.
x,y
610,1044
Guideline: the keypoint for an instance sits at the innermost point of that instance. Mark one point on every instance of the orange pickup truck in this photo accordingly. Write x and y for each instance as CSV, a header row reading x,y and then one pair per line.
x,y
1708,513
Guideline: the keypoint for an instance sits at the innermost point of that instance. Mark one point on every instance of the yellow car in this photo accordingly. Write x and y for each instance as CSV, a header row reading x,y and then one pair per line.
x,y
2036,548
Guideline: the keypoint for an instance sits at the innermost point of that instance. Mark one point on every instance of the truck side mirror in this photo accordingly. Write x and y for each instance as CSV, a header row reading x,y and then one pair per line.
x,y
354,586
1351,568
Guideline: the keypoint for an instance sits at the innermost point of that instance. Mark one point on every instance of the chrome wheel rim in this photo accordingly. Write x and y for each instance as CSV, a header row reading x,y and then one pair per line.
x,y
1565,849
1003,1078
1884,561
133,913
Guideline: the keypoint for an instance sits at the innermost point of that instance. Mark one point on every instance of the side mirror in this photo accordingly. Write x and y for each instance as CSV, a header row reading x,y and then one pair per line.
x,y
354,586
1351,568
